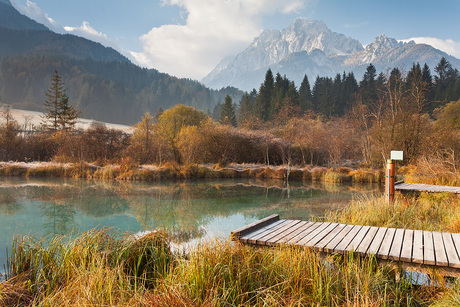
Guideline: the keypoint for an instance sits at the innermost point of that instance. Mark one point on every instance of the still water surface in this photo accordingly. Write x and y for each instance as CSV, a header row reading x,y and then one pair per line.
x,y
189,210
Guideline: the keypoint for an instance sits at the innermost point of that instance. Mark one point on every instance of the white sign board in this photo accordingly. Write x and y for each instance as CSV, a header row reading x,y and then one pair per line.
x,y
396,155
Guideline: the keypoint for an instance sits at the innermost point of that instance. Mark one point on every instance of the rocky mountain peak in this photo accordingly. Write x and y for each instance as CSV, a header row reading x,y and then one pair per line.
x,y
310,47
272,46
378,48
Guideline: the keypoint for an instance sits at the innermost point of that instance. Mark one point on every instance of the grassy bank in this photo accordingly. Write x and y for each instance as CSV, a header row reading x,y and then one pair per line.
x,y
102,268
128,170
434,212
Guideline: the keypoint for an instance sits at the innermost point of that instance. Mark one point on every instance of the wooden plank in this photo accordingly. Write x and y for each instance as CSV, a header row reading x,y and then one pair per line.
x,y
406,250
340,248
396,246
245,238
304,233
439,250
377,241
302,226
312,234
253,239
282,232
428,248
330,247
367,240
417,250
358,238
452,256
331,235
384,249
322,234
417,187
456,240
262,240
412,247
254,226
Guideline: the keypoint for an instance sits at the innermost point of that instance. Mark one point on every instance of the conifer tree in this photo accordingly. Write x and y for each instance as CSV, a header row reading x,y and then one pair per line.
x,y
263,101
60,114
227,115
245,109
52,103
69,114
368,85
305,95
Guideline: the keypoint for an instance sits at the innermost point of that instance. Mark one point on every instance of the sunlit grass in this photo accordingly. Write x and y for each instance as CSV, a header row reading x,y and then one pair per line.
x,y
435,212
100,268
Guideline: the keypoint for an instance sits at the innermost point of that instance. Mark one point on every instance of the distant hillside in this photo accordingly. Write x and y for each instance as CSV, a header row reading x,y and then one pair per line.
x,y
103,84
10,18
117,92
33,42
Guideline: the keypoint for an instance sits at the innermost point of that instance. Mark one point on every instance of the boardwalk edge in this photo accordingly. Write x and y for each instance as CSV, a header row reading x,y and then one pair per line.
x,y
236,234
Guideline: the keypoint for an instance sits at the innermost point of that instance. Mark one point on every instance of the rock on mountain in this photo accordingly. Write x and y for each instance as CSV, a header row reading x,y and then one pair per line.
x,y
309,47
274,47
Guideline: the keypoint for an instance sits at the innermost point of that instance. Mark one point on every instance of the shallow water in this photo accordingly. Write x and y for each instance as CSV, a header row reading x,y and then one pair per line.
x,y
190,210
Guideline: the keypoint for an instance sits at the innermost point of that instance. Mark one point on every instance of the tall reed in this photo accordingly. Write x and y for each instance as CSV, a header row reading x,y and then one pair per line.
x,y
436,212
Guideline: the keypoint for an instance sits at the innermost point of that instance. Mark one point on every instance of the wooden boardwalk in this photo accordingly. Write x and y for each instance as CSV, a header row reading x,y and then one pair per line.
x,y
404,187
413,250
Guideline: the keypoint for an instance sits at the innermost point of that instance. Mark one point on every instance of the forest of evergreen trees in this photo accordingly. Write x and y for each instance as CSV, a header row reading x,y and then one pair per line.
x,y
279,97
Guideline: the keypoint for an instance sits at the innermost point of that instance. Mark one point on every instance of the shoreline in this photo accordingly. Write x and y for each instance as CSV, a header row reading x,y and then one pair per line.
x,y
170,171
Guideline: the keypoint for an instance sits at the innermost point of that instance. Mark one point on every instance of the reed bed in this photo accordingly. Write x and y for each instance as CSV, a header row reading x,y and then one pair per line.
x,y
128,170
435,212
103,269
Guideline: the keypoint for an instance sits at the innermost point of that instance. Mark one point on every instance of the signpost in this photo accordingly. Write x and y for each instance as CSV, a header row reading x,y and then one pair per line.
x,y
390,175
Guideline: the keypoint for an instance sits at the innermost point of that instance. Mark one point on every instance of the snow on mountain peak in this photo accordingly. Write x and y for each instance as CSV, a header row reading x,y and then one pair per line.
x,y
378,48
271,46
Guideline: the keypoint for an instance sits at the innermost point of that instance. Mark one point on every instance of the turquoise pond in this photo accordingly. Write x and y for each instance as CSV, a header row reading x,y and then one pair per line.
x,y
189,210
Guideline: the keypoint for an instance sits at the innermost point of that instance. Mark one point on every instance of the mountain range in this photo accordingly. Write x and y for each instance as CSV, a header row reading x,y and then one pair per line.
x,y
311,48
100,81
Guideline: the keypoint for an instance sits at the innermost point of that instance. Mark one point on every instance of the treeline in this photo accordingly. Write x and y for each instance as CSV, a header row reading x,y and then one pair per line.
x,y
114,91
278,97
386,112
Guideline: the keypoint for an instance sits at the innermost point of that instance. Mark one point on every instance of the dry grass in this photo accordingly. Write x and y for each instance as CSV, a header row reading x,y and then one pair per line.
x,y
436,212
101,269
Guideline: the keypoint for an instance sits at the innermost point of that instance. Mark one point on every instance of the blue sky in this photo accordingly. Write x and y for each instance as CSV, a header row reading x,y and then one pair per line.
x,y
188,38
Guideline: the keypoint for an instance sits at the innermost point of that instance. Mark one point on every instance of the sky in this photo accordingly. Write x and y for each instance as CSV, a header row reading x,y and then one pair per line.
x,y
188,38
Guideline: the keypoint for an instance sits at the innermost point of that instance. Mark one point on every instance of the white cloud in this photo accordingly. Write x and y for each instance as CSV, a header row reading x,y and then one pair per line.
x,y
85,30
33,11
213,29
448,46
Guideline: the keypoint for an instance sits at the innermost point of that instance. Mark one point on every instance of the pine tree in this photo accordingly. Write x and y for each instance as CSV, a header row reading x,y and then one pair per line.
x,y
52,103
227,115
60,114
69,114
245,109
263,101
368,85
305,95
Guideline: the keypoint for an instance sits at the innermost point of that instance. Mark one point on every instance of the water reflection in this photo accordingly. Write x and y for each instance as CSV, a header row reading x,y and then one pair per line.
x,y
189,210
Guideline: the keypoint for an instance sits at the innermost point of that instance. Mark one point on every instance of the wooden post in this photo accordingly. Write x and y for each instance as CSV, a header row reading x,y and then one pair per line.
x,y
390,181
